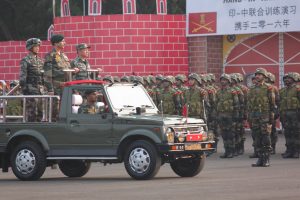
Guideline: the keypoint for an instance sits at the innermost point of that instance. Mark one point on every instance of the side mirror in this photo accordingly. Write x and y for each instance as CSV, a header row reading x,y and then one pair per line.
x,y
100,107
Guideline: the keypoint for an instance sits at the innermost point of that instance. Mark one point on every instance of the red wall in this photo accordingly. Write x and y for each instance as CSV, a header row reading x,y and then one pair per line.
x,y
121,44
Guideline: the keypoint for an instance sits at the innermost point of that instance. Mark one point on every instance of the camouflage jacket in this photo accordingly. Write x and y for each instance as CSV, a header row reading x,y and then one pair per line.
x,y
289,98
87,109
196,98
241,97
83,66
227,101
169,101
31,75
261,100
54,75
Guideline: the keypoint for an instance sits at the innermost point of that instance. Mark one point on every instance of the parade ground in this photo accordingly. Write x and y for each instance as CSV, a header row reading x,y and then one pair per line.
x,y
224,179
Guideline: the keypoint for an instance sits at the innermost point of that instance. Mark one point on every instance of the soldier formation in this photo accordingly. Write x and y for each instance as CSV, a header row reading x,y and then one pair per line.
x,y
225,108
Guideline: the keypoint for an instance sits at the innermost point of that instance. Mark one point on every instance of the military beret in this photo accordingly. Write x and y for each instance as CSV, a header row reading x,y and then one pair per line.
x,y
82,46
56,38
89,91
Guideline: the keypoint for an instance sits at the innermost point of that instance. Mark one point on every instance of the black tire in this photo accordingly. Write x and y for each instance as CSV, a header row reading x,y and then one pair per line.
x,y
141,160
74,168
188,167
28,161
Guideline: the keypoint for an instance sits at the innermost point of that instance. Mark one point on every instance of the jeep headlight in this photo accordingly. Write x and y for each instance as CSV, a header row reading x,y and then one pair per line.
x,y
170,135
210,136
180,137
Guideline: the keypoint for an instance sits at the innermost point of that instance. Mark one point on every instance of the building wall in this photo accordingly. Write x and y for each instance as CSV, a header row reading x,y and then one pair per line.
x,y
121,44
205,54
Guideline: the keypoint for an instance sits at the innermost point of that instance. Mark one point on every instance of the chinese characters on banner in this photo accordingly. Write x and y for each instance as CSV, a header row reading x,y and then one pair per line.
x,y
225,17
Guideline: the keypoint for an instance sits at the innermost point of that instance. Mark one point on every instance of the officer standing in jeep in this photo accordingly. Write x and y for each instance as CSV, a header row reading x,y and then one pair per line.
x,y
32,80
290,114
81,63
55,64
261,103
227,112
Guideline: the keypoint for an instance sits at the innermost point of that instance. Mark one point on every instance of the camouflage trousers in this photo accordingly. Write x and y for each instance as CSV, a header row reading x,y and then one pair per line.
x,y
239,132
34,111
291,125
261,131
226,125
274,135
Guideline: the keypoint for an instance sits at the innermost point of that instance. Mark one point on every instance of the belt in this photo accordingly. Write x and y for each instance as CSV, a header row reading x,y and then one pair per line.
x,y
34,80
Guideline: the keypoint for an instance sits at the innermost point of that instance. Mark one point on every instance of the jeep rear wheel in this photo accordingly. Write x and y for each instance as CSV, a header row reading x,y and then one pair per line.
x,y
188,167
141,160
74,168
28,161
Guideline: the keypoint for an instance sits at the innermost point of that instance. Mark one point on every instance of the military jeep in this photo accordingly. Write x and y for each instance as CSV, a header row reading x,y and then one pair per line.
x,y
127,127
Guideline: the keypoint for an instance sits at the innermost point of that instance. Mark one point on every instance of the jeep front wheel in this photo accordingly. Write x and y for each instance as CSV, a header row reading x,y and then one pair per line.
x,y
142,161
74,168
28,161
188,167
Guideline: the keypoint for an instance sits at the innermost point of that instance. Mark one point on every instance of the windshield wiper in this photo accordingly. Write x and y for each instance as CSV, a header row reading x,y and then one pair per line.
x,y
146,106
126,106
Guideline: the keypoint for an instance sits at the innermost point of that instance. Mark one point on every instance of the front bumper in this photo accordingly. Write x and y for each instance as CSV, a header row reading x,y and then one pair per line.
x,y
188,147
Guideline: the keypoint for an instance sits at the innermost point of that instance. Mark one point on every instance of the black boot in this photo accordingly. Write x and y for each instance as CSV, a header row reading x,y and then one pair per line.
x,y
295,154
273,149
215,145
225,153
266,160
230,152
235,150
288,153
254,155
259,162
242,148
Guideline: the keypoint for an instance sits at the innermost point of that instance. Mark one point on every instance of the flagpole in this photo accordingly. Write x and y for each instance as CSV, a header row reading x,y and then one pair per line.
x,y
83,7
53,8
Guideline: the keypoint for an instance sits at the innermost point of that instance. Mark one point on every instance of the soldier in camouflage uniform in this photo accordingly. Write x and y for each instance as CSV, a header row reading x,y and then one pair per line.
x,y
196,98
90,106
157,87
14,106
147,85
32,80
290,114
261,104
245,90
117,79
55,64
213,81
180,79
108,78
124,79
227,112
274,136
168,98
238,130
81,63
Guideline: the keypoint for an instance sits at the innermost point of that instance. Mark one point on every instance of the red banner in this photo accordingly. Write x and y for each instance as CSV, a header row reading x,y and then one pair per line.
x,y
202,23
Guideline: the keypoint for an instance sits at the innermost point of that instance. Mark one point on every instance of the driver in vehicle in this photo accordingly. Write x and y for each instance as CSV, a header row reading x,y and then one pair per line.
x,y
89,107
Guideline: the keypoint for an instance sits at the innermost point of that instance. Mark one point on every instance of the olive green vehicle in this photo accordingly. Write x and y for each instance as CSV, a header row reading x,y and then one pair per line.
x,y
126,128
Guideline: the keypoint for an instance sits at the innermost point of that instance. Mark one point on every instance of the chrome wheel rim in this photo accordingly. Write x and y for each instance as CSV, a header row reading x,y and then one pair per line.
x,y
139,160
25,161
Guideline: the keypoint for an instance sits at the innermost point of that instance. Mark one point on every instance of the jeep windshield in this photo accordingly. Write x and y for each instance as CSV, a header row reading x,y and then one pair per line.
x,y
127,97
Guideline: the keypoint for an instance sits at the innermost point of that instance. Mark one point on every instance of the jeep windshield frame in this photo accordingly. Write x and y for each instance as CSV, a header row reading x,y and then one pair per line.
x,y
127,97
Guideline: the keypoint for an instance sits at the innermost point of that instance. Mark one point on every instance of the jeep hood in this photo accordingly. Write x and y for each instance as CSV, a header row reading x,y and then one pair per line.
x,y
158,119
